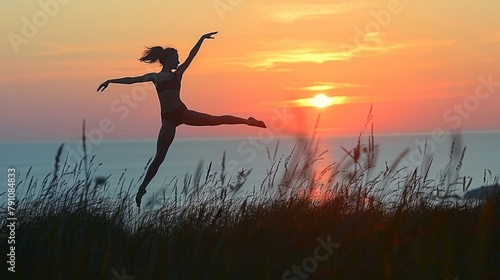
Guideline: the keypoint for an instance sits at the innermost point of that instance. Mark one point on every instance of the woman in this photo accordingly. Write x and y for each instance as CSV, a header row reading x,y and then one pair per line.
x,y
173,110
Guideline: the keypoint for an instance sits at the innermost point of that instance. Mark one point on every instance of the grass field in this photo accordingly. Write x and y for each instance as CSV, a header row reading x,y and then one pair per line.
x,y
341,222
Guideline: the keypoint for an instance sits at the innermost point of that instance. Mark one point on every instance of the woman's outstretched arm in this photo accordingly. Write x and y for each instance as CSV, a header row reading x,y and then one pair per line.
x,y
128,80
193,52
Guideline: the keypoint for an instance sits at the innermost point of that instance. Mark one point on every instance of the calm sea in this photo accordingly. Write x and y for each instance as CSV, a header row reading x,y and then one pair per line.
x,y
130,157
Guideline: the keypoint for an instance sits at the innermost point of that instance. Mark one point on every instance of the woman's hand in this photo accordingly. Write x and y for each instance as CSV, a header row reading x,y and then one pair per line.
x,y
103,86
209,35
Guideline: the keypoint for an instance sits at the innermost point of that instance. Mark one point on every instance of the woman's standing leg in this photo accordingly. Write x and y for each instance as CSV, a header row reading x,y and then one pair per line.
x,y
165,138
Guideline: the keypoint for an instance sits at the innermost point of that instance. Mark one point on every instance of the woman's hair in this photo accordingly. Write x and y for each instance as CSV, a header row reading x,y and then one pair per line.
x,y
154,54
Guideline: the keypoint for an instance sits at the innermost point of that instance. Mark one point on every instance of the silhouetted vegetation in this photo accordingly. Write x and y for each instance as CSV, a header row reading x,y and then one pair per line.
x,y
399,224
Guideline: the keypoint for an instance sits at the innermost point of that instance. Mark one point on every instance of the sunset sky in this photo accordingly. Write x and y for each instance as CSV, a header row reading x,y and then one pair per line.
x,y
422,65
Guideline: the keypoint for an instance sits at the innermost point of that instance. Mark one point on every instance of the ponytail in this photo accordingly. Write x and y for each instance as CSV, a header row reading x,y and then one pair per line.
x,y
157,53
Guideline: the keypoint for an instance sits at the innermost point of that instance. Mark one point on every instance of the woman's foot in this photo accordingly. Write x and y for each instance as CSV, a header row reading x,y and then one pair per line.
x,y
138,197
254,122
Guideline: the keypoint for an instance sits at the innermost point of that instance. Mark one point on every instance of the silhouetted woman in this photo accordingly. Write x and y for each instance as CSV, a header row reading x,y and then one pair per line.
x,y
173,110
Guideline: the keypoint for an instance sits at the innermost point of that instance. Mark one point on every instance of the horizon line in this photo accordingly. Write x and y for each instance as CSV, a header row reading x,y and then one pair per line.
x,y
229,137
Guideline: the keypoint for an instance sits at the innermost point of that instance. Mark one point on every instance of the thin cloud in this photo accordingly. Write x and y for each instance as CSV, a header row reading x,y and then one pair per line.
x,y
290,12
374,43
330,100
324,86
278,53
321,101
370,43
265,60
377,98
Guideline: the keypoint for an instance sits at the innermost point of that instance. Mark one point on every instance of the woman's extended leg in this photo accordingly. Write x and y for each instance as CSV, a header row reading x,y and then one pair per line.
x,y
165,138
194,118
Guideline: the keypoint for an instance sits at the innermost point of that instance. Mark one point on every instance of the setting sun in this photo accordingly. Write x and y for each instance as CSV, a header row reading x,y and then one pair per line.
x,y
321,101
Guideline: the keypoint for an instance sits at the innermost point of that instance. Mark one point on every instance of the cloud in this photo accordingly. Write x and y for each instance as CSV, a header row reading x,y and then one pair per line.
x,y
322,100
358,99
275,55
268,59
283,54
294,51
374,43
324,86
290,12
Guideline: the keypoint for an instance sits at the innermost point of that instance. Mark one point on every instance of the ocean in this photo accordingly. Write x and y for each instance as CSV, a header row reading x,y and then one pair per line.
x,y
115,158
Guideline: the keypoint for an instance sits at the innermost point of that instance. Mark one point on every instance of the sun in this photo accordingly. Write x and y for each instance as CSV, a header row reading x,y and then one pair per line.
x,y
321,101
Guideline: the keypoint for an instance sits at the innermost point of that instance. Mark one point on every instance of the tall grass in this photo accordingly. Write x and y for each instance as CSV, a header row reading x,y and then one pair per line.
x,y
398,224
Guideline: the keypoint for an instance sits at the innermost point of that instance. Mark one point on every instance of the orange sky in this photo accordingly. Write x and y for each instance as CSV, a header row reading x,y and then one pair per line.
x,y
422,65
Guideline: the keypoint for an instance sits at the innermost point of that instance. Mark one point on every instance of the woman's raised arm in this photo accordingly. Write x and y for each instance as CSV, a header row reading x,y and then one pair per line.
x,y
194,51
